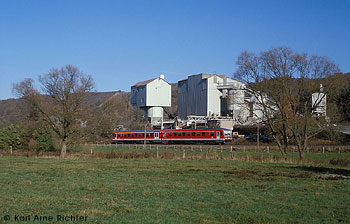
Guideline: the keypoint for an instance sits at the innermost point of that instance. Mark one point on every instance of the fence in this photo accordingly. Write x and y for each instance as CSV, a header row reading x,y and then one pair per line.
x,y
230,148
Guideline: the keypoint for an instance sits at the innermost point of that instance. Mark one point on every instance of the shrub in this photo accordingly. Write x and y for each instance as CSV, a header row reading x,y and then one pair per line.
x,y
11,136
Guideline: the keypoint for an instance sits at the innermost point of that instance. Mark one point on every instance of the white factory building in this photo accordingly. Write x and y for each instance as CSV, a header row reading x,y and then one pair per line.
x,y
214,95
152,95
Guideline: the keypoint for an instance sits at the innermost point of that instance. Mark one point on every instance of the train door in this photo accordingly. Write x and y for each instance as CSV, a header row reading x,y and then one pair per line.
x,y
156,136
218,135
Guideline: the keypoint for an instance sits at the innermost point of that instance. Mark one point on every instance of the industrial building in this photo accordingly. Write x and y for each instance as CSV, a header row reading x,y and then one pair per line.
x,y
152,96
198,95
206,100
216,97
203,99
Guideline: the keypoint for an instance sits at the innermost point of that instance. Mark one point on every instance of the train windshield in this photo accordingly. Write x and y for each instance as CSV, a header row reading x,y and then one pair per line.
x,y
228,133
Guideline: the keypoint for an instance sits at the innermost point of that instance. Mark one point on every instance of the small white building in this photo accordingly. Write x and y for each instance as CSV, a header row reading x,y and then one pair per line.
x,y
152,95
319,103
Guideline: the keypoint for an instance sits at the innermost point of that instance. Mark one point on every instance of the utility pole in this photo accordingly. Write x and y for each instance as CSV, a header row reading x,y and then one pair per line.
x,y
144,142
257,137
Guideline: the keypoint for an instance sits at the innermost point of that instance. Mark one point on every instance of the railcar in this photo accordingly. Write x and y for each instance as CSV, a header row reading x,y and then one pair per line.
x,y
215,135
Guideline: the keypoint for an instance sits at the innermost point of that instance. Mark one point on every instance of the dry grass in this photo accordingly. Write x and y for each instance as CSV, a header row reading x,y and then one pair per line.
x,y
211,154
340,162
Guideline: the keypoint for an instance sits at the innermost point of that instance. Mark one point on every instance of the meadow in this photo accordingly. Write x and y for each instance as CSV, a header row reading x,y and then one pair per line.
x,y
218,188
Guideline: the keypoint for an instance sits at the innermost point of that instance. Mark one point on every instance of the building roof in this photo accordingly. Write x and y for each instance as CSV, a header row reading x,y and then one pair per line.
x,y
206,76
144,82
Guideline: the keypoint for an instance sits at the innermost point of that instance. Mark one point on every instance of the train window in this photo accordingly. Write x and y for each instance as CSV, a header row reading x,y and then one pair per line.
x,y
221,133
188,134
198,133
143,135
119,135
151,134
175,134
129,135
140,135
193,133
203,133
170,134
211,133
124,135
132,134
179,134
147,135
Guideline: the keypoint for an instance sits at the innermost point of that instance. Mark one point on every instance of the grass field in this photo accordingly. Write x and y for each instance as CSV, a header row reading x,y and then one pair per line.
x,y
173,191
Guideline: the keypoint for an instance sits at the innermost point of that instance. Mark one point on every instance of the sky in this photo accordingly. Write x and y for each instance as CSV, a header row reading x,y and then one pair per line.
x,y
120,43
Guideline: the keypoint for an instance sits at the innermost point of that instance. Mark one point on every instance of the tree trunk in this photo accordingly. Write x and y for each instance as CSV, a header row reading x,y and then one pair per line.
x,y
301,155
301,150
284,152
64,149
281,147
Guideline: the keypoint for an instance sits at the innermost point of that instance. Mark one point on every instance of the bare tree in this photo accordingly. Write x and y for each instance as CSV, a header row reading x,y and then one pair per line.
x,y
61,103
282,82
113,113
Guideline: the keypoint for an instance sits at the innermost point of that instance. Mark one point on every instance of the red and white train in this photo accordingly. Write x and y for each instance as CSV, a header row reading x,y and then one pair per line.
x,y
217,135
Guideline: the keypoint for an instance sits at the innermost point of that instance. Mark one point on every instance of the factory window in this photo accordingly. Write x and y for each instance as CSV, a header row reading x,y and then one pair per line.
x,y
203,133
193,133
211,133
251,109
